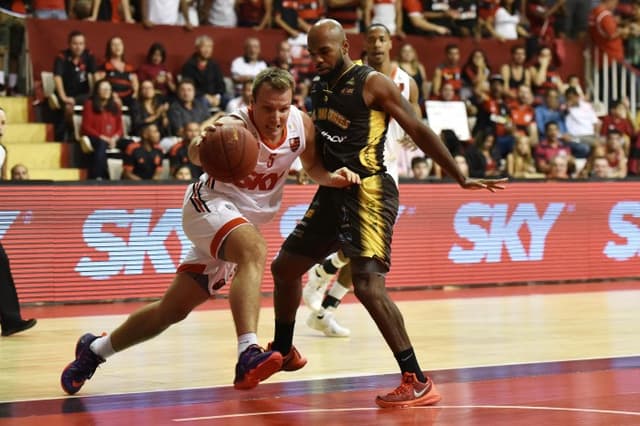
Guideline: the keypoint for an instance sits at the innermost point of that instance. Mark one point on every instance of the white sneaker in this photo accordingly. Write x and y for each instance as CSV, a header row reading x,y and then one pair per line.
x,y
328,325
313,291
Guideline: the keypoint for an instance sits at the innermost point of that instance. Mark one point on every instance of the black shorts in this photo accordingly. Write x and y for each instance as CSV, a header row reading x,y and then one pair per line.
x,y
359,220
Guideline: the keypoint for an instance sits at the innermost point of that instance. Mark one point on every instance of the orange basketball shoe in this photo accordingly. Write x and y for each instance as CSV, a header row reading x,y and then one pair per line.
x,y
255,365
292,361
410,393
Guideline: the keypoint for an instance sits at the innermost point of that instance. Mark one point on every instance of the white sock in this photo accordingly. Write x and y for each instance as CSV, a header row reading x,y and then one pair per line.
x,y
338,290
102,347
336,261
246,340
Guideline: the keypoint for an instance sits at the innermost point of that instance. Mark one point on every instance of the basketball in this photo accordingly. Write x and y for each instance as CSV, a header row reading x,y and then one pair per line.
x,y
229,153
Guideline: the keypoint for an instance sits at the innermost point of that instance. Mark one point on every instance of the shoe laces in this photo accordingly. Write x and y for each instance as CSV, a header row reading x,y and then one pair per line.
x,y
405,387
87,363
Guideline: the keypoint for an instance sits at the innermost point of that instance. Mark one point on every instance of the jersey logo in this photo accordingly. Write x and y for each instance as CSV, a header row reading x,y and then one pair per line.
x,y
259,181
294,144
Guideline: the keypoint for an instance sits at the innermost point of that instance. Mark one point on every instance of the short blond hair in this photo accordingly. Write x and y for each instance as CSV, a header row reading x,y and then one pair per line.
x,y
277,78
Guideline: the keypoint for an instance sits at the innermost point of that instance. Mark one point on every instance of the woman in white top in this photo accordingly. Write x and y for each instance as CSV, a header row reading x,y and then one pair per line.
x,y
506,22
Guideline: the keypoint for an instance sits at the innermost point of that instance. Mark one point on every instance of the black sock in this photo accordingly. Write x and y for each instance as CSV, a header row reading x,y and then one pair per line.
x,y
330,302
409,363
283,338
329,267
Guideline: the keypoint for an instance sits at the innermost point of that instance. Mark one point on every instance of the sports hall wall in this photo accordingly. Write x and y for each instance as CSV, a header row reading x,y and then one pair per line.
x,y
47,37
101,242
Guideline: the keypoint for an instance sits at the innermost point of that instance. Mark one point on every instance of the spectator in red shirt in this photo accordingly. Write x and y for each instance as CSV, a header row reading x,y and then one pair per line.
x,y
101,128
418,22
155,69
618,119
254,13
49,9
450,71
523,114
550,147
604,30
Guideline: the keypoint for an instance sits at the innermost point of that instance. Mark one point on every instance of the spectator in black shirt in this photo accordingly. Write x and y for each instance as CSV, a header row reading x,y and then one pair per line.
x,y
73,72
206,74
178,155
143,161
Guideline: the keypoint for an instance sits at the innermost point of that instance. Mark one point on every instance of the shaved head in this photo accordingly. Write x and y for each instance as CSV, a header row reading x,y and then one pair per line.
x,y
329,29
327,43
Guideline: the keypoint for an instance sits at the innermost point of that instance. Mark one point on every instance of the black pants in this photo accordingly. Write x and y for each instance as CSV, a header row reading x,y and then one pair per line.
x,y
9,306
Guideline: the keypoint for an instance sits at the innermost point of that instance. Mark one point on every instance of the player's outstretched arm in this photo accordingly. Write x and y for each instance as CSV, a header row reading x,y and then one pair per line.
x,y
381,93
313,165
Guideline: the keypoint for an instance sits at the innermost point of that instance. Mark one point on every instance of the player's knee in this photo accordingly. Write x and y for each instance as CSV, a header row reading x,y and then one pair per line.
x,y
249,251
282,271
278,269
254,253
368,286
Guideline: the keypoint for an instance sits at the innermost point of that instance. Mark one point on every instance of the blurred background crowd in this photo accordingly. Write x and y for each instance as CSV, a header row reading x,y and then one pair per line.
x,y
525,117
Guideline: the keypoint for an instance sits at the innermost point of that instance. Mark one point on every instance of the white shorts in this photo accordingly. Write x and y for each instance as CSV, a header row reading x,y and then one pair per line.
x,y
207,223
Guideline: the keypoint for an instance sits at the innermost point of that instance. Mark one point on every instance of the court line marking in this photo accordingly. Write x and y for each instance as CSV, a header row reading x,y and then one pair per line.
x,y
329,376
434,407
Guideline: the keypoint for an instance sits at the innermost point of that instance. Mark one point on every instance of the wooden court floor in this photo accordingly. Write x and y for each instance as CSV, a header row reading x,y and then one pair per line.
x,y
536,355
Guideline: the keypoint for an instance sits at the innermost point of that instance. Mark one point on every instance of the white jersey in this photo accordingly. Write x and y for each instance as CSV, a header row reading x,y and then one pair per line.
x,y
259,195
394,152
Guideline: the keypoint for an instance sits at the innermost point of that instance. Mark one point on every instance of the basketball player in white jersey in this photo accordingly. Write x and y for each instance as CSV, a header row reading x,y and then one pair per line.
x,y
378,48
221,221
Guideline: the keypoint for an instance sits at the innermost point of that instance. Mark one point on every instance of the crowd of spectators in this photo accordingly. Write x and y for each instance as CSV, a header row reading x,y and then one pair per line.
x,y
525,121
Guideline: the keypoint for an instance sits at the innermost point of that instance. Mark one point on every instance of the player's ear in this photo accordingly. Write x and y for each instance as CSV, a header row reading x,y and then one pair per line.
x,y
345,47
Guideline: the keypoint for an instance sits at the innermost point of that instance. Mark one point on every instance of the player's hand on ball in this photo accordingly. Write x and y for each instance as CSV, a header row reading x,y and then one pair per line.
x,y
489,184
344,177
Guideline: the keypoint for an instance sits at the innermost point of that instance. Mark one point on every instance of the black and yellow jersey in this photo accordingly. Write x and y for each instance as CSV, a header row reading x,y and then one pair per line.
x,y
349,133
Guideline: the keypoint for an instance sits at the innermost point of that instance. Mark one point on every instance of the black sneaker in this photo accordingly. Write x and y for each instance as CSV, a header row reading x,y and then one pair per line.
x,y
21,326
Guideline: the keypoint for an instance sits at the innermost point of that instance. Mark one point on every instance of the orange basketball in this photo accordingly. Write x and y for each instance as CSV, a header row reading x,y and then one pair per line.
x,y
229,153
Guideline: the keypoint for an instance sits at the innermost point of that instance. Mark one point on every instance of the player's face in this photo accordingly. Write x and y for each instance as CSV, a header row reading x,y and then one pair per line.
x,y
271,111
326,53
378,46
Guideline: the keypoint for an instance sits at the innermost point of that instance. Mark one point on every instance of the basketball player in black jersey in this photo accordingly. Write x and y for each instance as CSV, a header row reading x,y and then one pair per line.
x,y
352,105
